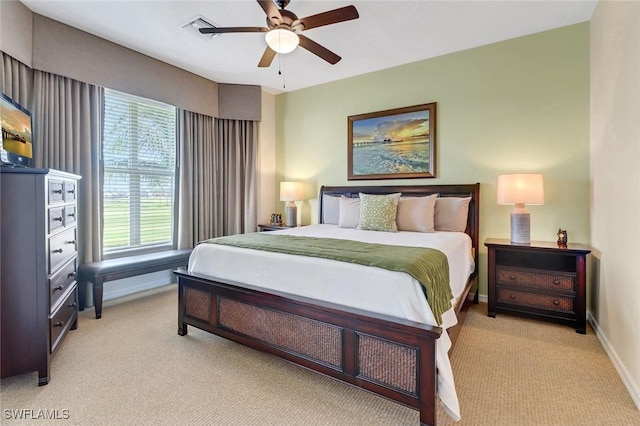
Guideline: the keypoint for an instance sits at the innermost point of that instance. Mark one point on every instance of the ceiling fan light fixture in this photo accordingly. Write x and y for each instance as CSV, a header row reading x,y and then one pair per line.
x,y
282,40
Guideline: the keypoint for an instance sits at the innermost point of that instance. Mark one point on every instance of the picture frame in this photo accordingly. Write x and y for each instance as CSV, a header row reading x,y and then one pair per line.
x,y
397,143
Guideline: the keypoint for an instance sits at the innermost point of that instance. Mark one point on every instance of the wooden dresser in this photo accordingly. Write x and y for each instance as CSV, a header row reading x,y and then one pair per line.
x,y
38,250
540,280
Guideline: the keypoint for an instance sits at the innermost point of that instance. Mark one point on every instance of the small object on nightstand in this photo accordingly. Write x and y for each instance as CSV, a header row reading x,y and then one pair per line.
x,y
276,219
541,280
562,237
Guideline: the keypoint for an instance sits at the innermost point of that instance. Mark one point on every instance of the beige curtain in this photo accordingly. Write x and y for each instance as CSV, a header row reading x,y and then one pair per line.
x,y
237,141
196,178
17,80
217,169
67,134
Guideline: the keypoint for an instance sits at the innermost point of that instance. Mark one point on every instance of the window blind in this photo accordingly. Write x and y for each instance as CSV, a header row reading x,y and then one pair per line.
x,y
138,156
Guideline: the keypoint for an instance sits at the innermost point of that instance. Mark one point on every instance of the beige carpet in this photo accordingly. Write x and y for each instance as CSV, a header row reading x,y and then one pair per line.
x,y
132,368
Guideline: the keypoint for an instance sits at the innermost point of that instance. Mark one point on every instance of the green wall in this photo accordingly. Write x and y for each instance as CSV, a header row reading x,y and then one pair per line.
x,y
520,105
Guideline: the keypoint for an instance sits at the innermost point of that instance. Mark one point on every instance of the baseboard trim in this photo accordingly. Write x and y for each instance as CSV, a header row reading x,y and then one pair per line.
x,y
627,380
127,286
116,294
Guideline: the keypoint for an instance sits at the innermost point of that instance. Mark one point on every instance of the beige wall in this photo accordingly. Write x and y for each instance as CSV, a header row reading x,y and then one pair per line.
x,y
615,184
267,159
517,106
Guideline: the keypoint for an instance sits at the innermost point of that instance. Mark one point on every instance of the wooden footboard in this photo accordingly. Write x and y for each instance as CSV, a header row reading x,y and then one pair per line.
x,y
391,357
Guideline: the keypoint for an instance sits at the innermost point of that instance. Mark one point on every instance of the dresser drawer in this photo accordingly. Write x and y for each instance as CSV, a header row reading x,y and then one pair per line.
x,y
69,215
61,320
61,216
507,296
70,191
55,191
533,278
56,218
61,247
61,281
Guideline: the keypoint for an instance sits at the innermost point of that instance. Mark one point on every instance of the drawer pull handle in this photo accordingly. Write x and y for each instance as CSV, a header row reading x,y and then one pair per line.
x,y
512,277
56,250
57,191
59,287
57,219
71,242
513,296
71,274
59,324
555,302
73,305
71,215
71,191
556,282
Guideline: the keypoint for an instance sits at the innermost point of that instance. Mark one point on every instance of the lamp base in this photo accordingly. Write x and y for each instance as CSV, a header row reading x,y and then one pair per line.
x,y
291,212
520,228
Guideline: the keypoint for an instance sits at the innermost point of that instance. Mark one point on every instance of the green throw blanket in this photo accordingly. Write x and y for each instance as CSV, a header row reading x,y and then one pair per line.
x,y
428,266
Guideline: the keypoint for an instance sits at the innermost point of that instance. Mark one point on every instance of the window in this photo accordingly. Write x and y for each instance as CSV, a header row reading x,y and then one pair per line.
x,y
138,154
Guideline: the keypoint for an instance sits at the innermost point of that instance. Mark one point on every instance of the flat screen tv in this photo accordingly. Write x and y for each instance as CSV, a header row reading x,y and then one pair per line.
x,y
16,148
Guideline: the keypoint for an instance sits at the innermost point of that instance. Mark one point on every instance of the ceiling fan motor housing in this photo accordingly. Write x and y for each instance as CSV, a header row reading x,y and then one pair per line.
x,y
288,21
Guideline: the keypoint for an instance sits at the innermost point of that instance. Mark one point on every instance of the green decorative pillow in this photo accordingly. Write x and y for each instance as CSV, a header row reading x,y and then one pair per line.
x,y
378,212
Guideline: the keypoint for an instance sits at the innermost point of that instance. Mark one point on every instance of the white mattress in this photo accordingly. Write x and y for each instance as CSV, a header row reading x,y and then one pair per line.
x,y
392,293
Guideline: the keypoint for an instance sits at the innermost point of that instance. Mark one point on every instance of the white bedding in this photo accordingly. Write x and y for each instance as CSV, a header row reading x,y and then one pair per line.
x,y
392,293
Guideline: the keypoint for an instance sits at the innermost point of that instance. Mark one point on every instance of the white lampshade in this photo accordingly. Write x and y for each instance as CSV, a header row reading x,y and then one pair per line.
x,y
520,189
291,191
282,40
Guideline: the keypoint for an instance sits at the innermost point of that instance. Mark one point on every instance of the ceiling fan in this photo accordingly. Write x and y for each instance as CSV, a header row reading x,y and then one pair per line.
x,y
284,28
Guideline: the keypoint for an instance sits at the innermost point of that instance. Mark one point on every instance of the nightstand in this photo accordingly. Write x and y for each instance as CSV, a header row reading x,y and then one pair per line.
x,y
539,280
264,228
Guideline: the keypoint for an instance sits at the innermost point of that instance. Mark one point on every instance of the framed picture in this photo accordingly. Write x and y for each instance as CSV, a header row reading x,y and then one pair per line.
x,y
394,144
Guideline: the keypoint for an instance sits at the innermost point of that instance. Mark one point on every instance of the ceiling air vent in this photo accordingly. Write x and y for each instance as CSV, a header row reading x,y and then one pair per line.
x,y
194,24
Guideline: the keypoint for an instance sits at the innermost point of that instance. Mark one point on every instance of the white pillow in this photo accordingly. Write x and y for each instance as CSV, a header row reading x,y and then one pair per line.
x,y
417,213
330,209
349,212
451,214
379,212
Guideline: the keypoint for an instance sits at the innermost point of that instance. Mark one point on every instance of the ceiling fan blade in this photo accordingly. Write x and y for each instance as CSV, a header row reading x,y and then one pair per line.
x,y
215,30
342,14
319,50
267,57
271,10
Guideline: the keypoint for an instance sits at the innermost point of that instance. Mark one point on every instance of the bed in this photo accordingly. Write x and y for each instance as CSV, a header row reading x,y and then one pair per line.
x,y
395,350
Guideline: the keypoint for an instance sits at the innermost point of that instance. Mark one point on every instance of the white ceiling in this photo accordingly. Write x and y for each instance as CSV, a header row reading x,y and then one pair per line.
x,y
387,34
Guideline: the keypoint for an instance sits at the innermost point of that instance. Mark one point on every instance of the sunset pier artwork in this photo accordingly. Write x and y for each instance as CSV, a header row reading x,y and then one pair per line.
x,y
393,144
357,144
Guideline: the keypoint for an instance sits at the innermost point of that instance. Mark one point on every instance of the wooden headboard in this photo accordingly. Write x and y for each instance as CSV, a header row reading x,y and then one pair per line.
x,y
466,190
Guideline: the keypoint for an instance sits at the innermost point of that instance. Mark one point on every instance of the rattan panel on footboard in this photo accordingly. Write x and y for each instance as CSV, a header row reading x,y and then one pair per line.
x,y
307,338
390,357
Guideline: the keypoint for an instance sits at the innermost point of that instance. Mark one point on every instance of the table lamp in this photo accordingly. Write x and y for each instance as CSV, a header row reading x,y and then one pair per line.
x,y
291,192
520,189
